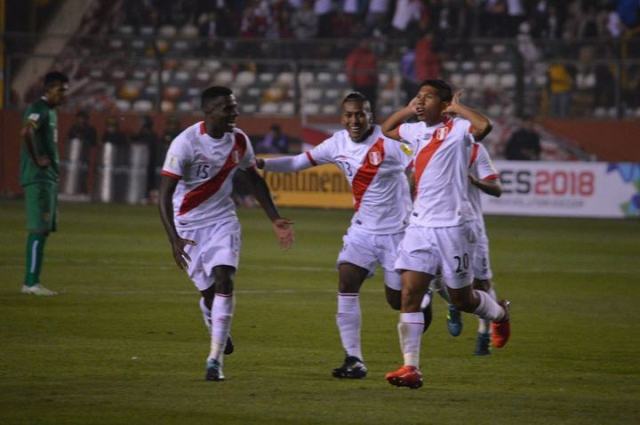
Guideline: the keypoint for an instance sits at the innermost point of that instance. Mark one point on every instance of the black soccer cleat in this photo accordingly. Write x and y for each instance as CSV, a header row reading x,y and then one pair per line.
x,y
352,368
482,344
228,349
214,371
428,317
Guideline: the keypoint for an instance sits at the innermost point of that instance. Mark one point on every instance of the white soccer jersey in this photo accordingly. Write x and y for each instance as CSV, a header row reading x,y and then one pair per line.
x,y
375,169
205,167
481,167
441,160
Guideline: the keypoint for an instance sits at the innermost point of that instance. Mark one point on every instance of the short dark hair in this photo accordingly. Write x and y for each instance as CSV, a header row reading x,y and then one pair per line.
x,y
445,92
355,96
55,77
213,92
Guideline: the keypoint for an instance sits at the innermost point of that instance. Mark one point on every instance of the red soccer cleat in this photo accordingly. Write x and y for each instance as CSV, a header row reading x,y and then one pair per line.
x,y
500,331
406,376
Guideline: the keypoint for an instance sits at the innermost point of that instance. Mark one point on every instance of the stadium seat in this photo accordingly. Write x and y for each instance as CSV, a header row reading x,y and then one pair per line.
x,y
245,78
490,80
305,77
504,66
287,108
254,92
142,105
189,31
266,77
211,64
182,77
172,93
312,94
191,64
203,76
125,30
269,108
310,108
472,80
138,44
167,106
585,80
341,78
450,66
507,81
498,48
387,95
468,66
330,109
486,66
324,78
494,110
147,31
457,79
286,78
600,112
168,31
332,94
249,108
223,78
181,46
185,106
123,105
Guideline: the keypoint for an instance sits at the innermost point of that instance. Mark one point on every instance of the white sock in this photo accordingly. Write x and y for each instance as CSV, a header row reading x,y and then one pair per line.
x,y
349,322
221,313
483,325
488,308
206,314
410,332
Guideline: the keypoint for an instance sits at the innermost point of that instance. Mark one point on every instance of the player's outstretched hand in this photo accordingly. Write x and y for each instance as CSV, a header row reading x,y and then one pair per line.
x,y
179,254
283,228
452,108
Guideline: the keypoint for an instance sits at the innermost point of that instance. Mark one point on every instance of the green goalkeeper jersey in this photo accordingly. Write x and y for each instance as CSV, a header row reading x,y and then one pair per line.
x,y
44,121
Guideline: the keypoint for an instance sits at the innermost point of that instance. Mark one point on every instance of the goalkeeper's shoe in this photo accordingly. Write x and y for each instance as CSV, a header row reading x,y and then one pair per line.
x,y
482,344
229,347
406,376
214,371
501,330
352,368
38,289
454,321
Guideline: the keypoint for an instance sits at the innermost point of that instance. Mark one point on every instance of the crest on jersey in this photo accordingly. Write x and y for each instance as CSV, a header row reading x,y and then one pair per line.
x,y
375,158
441,133
235,156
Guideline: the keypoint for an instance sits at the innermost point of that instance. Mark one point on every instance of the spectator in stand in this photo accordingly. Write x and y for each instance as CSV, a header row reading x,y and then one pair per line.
x,y
324,10
282,12
494,18
410,82
428,65
524,143
275,141
146,136
86,133
517,14
256,19
362,72
560,87
377,13
304,21
406,16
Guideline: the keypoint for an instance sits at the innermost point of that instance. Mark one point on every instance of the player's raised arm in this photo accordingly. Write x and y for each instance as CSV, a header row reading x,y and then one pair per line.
x,y
167,187
480,124
391,126
282,227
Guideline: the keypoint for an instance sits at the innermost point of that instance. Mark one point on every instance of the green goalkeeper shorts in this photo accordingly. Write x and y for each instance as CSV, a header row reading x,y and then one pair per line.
x,y
41,199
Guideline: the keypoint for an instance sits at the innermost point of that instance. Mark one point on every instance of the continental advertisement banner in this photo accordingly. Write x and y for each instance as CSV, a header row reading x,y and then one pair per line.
x,y
323,186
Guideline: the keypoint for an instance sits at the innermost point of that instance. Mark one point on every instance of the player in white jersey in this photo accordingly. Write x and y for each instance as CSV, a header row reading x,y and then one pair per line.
x,y
483,177
200,218
439,235
375,168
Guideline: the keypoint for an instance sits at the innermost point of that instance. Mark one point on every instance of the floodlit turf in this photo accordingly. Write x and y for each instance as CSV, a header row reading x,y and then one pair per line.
x,y
125,344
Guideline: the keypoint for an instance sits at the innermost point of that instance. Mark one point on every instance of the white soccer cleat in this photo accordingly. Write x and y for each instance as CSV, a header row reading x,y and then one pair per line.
x,y
38,290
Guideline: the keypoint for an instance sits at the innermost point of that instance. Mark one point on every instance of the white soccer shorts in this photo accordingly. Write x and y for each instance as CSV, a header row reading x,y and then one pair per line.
x,y
367,250
216,245
480,264
430,249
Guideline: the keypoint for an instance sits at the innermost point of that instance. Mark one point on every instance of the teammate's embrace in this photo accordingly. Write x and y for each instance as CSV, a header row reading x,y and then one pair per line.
x,y
199,215
439,235
375,168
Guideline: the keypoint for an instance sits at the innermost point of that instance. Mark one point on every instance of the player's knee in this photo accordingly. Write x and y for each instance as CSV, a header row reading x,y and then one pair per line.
x,y
223,276
482,284
463,302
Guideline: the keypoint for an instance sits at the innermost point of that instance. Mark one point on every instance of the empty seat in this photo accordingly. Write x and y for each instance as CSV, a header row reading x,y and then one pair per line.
x,y
211,64
507,81
266,77
191,64
142,105
468,66
310,108
472,80
182,77
341,78
167,106
224,78
147,31
203,76
249,108
167,31
185,106
245,78
305,77
332,94
330,109
312,94
457,79
490,80
123,105
287,108
189,31
285,78
269,108
450,66
486,66
324,77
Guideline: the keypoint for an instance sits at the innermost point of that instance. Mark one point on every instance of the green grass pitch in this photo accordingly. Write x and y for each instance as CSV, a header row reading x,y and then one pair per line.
x,y
124,343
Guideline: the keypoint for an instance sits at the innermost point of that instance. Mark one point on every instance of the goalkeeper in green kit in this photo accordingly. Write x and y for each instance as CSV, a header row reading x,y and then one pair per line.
x,y
39,170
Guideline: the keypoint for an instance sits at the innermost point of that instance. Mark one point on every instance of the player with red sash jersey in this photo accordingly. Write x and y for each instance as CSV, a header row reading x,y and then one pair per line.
x,y
439,236
199,215
375,168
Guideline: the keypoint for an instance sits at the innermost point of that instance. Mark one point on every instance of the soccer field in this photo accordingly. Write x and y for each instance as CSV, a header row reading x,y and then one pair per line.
x,y
124,343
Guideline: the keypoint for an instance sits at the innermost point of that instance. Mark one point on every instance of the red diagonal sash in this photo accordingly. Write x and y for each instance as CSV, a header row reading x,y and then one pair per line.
x,y
209,188
425,155
365,174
